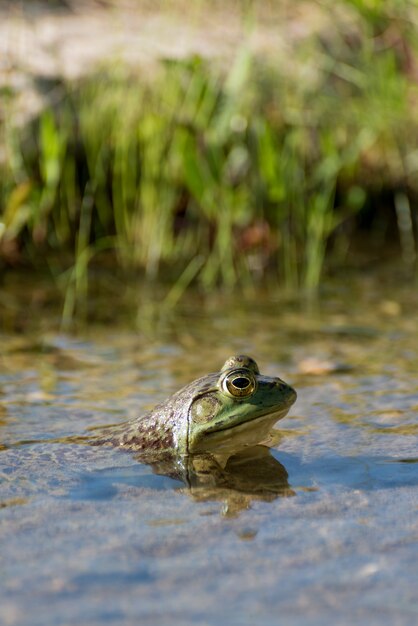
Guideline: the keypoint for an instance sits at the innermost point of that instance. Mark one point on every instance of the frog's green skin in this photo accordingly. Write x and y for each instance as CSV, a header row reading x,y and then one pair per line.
x,y
219,413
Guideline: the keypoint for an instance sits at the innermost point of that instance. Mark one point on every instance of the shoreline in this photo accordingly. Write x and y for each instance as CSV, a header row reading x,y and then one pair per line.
x,y
40,43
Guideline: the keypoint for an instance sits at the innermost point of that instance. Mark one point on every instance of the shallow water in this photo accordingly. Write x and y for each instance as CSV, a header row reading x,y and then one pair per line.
x,y
323,529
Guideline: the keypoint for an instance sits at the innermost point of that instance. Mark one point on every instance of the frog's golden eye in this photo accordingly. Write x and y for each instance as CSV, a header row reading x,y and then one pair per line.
x,y
239,383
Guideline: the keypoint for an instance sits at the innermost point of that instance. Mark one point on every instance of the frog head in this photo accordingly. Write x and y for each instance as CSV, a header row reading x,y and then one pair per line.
x,y
234,408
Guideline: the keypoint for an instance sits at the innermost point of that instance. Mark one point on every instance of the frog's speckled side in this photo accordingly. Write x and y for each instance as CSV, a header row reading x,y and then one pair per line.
x,y
220,412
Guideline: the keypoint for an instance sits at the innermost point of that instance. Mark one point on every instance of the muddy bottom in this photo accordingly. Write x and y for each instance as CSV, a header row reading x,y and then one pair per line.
x,y
322,528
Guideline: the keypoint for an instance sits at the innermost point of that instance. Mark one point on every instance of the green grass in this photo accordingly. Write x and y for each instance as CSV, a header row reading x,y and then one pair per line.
x,y
220,177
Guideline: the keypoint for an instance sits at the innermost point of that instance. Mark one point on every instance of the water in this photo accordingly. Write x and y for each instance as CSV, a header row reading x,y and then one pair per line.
x,y
323,529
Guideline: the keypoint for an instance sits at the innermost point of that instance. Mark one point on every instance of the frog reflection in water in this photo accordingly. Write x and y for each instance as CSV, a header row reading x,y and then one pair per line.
x,y
207,433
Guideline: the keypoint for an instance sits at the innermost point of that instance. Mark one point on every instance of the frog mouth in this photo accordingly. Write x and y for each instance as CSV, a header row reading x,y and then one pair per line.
x,y
257,420
231,437
270,414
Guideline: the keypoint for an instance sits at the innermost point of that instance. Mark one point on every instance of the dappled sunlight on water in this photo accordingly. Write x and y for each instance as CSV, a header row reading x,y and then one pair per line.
x,y
304,527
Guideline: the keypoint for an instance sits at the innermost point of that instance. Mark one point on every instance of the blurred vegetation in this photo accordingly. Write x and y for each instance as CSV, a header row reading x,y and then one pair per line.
x,y
222,176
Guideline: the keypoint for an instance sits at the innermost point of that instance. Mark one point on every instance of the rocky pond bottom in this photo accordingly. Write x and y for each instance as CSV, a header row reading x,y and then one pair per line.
x,y
322,528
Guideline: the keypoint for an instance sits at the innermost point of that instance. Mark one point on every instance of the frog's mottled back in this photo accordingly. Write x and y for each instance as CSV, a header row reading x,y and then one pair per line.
x,y
220,412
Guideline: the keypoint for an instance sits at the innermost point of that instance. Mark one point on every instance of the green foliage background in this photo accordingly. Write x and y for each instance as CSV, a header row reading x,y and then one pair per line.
x,y
218,175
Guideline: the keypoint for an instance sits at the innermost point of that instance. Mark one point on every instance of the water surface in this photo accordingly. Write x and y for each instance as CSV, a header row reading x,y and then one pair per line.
x,y
321,529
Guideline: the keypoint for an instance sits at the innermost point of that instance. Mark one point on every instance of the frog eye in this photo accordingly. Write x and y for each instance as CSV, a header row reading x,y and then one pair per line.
x,y
239,383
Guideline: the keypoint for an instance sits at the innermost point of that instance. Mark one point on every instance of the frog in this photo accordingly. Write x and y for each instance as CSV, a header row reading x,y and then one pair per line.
x,y
220,413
